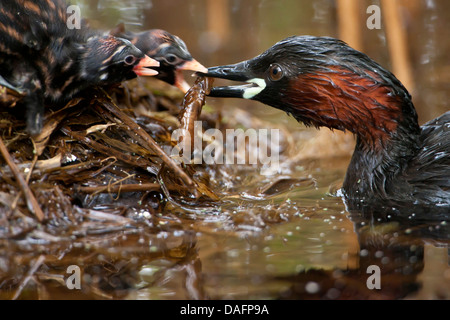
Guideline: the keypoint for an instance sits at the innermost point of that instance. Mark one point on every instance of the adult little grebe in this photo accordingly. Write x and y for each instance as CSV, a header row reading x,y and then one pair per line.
x,y
321,81
168,49
50,62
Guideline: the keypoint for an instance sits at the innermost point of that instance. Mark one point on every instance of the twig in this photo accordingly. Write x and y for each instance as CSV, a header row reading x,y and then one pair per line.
x,y
106,150
27,180
27,278
30,199
146,140
120,188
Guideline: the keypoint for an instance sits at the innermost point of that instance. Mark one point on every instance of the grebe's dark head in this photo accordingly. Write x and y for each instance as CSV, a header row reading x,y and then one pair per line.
x,y
322,81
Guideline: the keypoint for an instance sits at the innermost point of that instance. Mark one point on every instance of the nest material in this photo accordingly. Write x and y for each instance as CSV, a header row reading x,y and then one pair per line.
x,y
95,151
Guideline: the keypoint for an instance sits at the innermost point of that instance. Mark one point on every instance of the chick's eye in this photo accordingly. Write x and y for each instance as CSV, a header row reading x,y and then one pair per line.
x,y
129,60
275,72
171,58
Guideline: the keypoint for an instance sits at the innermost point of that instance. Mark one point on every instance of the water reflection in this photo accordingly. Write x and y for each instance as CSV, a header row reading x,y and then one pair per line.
x,y
391,242
170,261
113,263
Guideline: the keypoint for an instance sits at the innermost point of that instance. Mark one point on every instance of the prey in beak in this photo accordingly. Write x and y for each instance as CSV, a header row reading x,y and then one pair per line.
x,y
237,72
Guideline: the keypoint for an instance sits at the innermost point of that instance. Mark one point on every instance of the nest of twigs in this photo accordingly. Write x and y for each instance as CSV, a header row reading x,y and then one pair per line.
x,y
99,153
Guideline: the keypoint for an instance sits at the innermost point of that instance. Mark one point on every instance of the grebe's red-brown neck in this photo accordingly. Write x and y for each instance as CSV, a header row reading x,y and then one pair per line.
x,y
339,99
321,81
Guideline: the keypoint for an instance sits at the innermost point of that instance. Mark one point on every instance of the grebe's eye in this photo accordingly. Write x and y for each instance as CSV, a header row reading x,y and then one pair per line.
x,y
275,72
130,60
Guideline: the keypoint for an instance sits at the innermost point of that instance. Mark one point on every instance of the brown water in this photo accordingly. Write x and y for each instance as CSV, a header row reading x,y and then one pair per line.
x,y
287,235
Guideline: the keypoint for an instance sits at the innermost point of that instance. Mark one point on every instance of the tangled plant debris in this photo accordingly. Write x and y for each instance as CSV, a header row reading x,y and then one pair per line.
x,y
89,150
92,176
95,188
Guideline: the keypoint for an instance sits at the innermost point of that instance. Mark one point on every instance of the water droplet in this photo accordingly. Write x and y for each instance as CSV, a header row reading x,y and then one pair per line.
x,y
312,287
364,253
379,254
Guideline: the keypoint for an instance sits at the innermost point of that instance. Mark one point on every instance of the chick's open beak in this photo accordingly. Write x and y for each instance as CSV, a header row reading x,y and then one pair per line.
x,y
142,68
191,65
